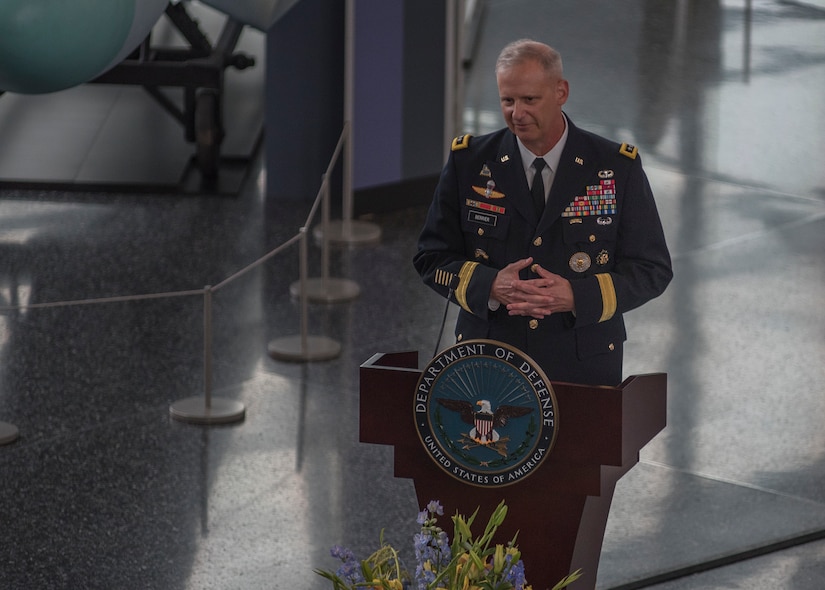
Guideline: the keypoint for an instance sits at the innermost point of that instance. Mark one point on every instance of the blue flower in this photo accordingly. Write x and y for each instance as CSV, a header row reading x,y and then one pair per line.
x,y
350,568
341,553
435,507
515,575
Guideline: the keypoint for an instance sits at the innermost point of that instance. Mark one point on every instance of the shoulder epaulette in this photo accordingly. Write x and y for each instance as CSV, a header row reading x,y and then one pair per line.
x,y
631,151
461,142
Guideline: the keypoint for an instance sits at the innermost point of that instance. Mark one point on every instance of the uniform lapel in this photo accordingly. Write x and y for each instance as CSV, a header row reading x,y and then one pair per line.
x,y
509,174
571,177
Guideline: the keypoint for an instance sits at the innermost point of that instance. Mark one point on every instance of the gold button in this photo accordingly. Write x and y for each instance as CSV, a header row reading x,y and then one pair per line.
x,y
611,346
480,231
534,268
534,323
592,238
459,338
537,241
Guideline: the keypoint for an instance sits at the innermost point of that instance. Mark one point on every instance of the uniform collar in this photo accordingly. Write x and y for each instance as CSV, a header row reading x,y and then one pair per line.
x,y
552,157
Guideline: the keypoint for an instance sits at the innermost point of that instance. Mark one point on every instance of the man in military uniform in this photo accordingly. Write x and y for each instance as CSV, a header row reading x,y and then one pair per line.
x,y
543,233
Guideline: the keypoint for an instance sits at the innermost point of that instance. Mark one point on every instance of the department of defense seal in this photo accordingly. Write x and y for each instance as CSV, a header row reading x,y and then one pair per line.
x,y
485,413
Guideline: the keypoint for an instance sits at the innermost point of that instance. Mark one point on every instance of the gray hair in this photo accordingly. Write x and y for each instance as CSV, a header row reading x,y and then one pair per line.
x,y
518,52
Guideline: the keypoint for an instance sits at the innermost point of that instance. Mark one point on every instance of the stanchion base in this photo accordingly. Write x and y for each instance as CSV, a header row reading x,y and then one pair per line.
x,y
318,348
8,433
220,411
327,290
350,232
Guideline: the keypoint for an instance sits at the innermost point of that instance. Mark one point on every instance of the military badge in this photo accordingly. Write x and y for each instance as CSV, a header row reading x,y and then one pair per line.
x,y
491,185
461,142
488,191
631,151
485,413
598,199
485,206
603,258
579,262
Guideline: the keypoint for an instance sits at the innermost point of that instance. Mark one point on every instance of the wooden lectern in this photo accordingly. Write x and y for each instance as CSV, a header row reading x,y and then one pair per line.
x,y
560,511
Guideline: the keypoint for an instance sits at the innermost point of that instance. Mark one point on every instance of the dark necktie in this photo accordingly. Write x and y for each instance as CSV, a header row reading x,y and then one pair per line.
x,y
537,190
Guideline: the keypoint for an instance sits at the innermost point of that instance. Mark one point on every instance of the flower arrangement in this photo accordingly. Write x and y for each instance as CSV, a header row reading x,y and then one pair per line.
x,y
468,563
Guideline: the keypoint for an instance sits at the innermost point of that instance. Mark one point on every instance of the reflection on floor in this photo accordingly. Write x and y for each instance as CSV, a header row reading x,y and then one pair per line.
x,y
103,490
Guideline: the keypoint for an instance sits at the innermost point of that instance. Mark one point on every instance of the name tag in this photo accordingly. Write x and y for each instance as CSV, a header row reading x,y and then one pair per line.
x,y
483,218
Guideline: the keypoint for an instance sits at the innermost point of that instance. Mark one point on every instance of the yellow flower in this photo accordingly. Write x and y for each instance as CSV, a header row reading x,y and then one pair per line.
x,y
498,559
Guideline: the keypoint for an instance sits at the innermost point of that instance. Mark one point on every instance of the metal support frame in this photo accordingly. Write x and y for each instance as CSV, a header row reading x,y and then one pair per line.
x,y
198,70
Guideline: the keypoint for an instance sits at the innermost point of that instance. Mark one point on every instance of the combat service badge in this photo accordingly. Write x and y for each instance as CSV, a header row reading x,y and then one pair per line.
x,y
579,262
485,413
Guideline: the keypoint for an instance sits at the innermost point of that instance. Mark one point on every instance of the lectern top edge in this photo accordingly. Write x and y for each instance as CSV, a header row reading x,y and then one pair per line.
x,y
395,360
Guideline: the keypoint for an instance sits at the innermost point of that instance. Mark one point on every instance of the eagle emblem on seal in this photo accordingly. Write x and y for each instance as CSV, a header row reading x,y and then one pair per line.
x,y
484,421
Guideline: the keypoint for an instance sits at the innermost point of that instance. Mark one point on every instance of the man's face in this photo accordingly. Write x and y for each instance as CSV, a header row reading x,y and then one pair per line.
x,y
531,101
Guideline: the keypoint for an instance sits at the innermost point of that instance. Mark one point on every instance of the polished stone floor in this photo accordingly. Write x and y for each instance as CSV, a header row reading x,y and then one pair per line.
x,y
104,491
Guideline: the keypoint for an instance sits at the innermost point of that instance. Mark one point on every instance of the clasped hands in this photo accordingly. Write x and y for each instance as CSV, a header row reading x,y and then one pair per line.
x,y
548,293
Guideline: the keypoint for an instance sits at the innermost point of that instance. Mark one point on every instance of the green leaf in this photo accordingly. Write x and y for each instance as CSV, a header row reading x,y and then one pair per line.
x,y
568,580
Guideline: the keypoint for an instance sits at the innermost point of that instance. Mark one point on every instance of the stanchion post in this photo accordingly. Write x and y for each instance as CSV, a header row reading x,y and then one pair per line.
x,y
304,347
325,229
326,289
348,231
303,265
207,346
205,409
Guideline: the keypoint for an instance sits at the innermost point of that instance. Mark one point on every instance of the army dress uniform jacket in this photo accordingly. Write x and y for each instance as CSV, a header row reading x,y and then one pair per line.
x,y
600,229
